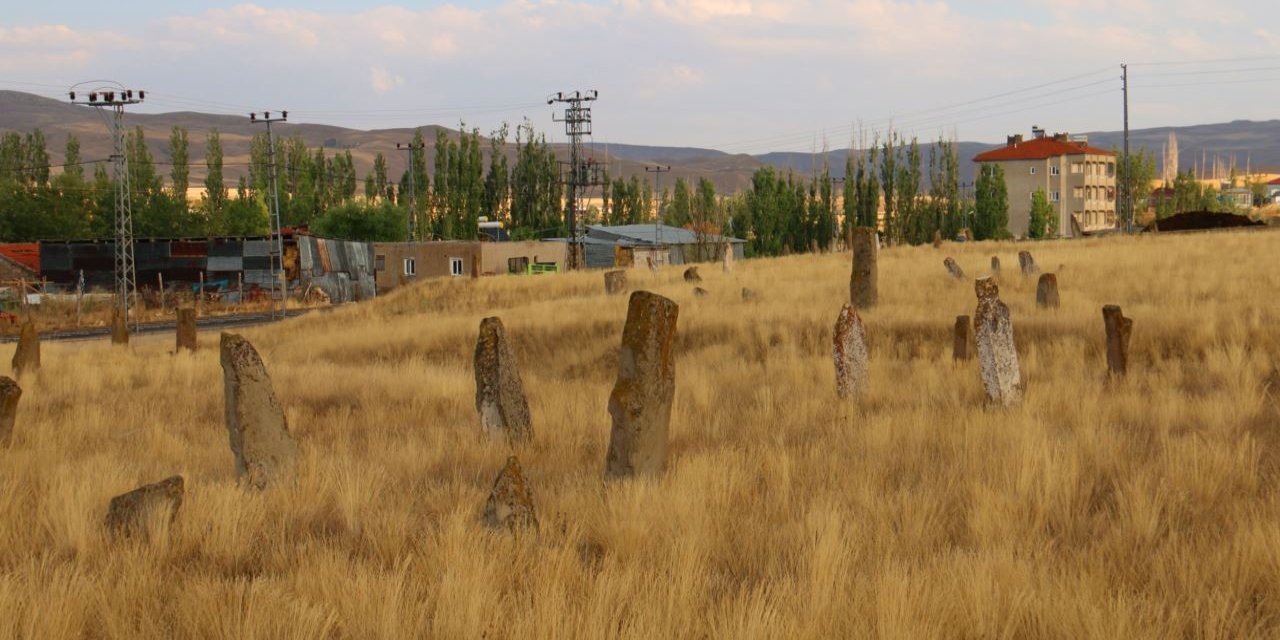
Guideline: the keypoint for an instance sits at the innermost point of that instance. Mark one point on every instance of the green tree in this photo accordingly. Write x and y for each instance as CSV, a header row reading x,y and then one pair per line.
x,y
73,171
1136,172
991,216
215,190
1042,215
180,163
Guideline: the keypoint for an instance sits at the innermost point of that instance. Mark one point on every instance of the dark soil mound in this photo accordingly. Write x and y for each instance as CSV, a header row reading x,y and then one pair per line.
x,y
1198,220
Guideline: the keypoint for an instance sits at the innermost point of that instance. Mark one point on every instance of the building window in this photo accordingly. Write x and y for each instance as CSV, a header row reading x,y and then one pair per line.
x,y
1054,170
517,265
1077,167
1055,196
1077,192
410,267
1033,171
455,266
379,263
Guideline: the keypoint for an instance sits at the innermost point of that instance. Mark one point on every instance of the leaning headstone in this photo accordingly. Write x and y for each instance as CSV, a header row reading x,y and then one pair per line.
x,y
960,346
1047,291
128,513
1118,330
849,350
500,398
10,394
186,328
699,292
691,275
1027,263
26,359
937,239
995,264
953,268
510,504
997,354
863,291
615,282
727,258
260,440
640,403
119,327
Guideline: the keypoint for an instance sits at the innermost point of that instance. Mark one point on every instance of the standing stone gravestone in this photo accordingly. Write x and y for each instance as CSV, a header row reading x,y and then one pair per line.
x,y
500,398
615,282
748,294
510,504
128,512
119,327
691,275
995,264
640,403
1027,263
1047,291
1118,330
963,338
186,328
26,358
699,292
849,350
264,449
727,257
937,239
863,291
10,394
953,268
997,354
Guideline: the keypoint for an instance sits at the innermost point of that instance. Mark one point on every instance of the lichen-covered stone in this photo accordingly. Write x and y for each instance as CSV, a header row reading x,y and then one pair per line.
x,y
953,268
691,275
961,346
128,513
1118,330
500,398
1027,263
995,264
264,450
10,394
186,328
26,358
640,403
615,282
997,354
510,504
849,351
1047,291
863,291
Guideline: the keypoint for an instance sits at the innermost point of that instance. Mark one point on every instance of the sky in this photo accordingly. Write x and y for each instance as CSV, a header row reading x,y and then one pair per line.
x,y
742,76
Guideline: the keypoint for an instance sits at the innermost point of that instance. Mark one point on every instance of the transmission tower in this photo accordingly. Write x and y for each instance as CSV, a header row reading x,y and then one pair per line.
x,y
414,150
579,172
276,253
658,170
114,96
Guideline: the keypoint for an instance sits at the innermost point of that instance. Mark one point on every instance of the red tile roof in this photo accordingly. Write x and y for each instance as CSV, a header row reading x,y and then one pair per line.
x,y
26,254
1275,182
1039,149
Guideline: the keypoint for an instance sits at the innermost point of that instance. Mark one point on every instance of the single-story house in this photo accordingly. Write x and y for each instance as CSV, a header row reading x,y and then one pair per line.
x,y
637,244
399,263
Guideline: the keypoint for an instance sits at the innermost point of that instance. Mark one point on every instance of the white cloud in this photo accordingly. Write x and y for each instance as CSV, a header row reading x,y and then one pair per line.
x,y
383,81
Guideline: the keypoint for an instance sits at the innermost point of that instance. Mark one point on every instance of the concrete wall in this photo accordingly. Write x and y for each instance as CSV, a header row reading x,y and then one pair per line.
x,y
1093,204
495,257
430,260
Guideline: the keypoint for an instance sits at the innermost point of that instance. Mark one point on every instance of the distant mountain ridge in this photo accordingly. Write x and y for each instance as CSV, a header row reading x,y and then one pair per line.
x,y
1252,143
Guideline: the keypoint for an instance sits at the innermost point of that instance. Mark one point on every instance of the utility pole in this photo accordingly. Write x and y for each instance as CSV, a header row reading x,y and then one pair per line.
x,y
657,182
115,96
581,172
278,275
414,150
1126,193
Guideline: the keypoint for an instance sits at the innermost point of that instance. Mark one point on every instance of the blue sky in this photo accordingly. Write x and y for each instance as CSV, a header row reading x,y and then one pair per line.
x,y
740,75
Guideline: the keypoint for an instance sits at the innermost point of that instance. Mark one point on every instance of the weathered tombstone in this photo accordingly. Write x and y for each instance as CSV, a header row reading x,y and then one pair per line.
x,y
960,347
510,504
500,398
997,354
699,292
727,257
10,394
640,403
691,275
260,439
1027,263
119,327
995,264
849,350
615,282
1047,291
1118,330
937,239
128,513
26,358
863,291
953,268
186,328
748,294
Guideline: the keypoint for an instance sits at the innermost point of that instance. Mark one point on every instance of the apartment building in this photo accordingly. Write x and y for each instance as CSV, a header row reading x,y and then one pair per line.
x,y
1078,180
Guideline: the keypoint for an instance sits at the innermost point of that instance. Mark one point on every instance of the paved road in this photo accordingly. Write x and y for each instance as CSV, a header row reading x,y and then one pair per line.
x,y
212,322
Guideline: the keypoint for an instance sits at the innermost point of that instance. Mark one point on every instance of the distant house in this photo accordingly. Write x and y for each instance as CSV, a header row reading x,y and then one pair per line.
x,y
1273,189
1078,180
638,244
400,263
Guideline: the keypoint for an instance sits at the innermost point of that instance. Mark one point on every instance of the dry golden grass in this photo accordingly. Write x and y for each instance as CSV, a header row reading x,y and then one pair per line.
x,y
1146,508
